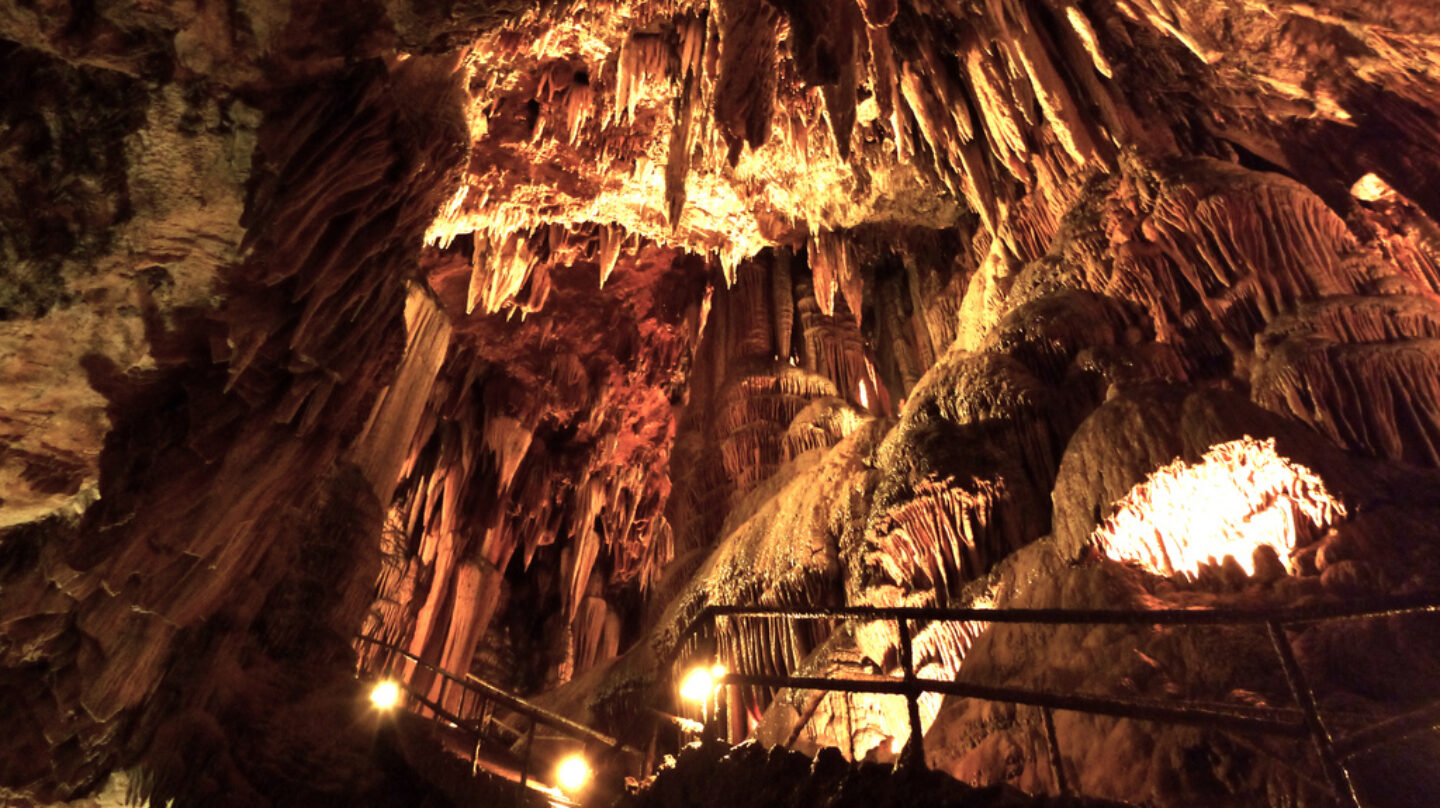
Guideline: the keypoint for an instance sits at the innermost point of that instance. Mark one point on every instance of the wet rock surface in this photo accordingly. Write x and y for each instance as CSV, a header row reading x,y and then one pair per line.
x,y
717,775
518,333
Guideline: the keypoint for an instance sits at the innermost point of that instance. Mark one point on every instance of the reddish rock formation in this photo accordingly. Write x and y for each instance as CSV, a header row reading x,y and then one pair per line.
x,y
516,334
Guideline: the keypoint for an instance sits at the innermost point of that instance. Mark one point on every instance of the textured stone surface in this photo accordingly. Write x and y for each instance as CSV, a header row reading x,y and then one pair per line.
x,y
751,775
517,333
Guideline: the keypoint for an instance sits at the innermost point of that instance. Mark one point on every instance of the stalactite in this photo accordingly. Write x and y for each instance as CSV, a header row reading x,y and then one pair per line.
x,y
1062,231
946,535
1053,93
843,29
1240,496
1003,124
642,59
1324,378
745,86
687,100
507,440
1086,31
385,442
833,267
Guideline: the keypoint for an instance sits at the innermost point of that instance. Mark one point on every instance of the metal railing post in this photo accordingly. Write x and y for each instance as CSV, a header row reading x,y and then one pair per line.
x,y
708,711
914,753
722,713
525,766
1304,697
1297,722
1052,744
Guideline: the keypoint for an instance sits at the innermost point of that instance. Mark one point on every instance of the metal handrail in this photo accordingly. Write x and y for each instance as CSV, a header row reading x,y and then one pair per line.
x,y
1270,720
1289,722
490,692
536,712
1319,612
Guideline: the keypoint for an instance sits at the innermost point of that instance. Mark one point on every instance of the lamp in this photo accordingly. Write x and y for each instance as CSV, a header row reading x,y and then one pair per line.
x,y
572,774
698,684
385,694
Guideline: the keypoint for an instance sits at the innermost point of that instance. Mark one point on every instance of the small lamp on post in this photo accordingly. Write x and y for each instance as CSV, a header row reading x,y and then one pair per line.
x,y
701,685
385,695
573,774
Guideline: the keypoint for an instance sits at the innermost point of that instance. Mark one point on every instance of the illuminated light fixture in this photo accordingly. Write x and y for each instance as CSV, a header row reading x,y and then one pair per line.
x,y
1370,188
698,684
572,774
897,745
717,670
385,695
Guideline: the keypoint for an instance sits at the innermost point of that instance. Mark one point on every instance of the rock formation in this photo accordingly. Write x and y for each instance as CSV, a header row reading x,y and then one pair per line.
x,y
517,333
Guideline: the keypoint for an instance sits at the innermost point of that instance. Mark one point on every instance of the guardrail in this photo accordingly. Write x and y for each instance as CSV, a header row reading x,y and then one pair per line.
x,y
1296,722
474,713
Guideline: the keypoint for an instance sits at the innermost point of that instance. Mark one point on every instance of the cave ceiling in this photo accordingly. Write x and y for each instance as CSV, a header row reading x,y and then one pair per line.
x,y
515,333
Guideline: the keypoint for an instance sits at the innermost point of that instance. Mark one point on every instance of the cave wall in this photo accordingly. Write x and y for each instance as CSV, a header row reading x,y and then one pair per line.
x,y
200,311
1143,211
517,333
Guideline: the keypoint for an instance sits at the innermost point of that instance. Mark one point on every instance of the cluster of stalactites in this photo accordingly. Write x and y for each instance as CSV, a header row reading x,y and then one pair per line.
x,y
1241,496
769,393
511,262
994,102
1008,105
473,493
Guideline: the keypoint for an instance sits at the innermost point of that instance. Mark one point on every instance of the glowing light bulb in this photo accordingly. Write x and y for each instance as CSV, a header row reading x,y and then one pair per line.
x,y
697,685
385,695
1371,188
572,774
717,670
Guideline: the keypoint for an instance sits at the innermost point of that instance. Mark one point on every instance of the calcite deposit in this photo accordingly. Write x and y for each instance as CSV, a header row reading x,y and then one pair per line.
x,y
515,334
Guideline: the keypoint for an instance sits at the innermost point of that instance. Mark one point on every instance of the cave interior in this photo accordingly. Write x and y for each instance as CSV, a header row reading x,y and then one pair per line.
x,y
386,339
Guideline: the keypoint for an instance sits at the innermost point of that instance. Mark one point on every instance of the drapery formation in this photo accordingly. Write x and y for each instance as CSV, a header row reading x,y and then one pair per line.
x,y
516,334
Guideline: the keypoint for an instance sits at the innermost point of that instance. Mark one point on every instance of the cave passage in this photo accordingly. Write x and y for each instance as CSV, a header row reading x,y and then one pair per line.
x,y
526,357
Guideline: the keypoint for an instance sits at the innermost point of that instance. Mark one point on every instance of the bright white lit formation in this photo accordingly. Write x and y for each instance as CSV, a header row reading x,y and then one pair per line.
x,y
385,695
698,684
1240,495
573,774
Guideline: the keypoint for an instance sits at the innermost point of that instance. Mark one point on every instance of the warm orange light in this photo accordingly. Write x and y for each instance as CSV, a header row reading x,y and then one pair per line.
x,y
385,695
698,685
1370,188
1240,496
572,774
